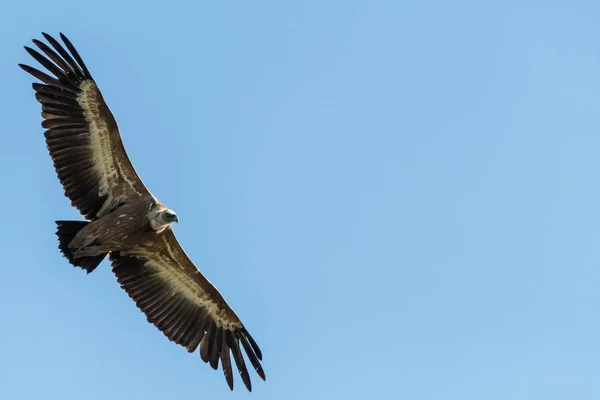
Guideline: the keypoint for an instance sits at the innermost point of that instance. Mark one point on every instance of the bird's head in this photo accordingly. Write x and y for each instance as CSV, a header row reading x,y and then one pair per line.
x,y
161,217
169,216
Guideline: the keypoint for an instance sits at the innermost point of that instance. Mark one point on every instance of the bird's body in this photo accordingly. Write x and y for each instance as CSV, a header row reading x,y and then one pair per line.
x,y
123,229
125,221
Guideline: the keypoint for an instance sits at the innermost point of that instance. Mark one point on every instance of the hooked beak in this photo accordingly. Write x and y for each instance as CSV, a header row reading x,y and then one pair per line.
x,y
170,217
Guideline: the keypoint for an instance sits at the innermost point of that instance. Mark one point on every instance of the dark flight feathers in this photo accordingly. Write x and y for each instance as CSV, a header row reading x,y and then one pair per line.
x,y
184,321
81,133
67,134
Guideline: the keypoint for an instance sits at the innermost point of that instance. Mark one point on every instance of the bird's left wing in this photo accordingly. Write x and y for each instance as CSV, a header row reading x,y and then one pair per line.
x,y
82,135
184,305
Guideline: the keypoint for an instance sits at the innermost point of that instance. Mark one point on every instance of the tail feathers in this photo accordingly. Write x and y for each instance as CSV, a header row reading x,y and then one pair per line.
x,y
66,231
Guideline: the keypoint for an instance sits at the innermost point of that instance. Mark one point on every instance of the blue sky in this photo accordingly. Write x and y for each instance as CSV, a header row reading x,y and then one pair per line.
x,y
399,199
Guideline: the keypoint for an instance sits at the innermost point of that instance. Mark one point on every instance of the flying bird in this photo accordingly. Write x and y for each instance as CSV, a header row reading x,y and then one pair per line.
x,y
125,221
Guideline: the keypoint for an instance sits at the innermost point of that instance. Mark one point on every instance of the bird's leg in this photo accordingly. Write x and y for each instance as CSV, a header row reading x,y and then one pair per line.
x,y
89,251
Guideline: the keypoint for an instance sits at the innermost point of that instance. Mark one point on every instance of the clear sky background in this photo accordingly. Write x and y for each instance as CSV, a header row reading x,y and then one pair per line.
x,y
399,198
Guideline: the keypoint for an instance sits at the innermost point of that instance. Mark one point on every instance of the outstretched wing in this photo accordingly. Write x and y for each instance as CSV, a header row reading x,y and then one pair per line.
x,y
166,285
82,135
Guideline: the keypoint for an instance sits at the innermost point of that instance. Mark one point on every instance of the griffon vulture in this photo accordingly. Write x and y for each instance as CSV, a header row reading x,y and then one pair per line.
x,y
125,221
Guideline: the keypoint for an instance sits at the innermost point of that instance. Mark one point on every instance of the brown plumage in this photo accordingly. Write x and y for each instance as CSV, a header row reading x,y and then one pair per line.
x,y
125,221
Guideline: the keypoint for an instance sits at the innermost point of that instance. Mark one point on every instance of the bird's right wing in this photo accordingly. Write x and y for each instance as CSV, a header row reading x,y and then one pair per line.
x,y
184,305
82,134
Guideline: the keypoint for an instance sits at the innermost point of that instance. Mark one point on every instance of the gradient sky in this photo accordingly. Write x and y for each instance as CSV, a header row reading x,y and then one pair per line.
x,y
399,198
